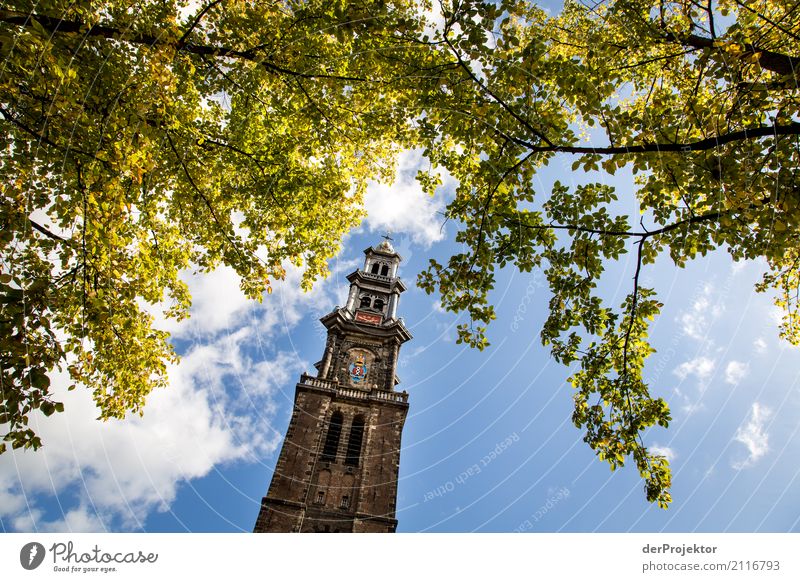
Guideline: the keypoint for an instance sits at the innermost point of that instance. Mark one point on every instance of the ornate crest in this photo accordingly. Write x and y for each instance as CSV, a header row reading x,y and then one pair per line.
x,y
358,368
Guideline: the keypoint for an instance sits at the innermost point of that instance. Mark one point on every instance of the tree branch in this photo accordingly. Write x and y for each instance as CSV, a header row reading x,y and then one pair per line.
x,y
39,137
708,143
715,215
202,196
196,21
776,62
44,231
481,231
634,304
769,20
497,99
59,26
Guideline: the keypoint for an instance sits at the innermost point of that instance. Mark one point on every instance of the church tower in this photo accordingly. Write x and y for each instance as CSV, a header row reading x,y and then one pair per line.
x,y
337,470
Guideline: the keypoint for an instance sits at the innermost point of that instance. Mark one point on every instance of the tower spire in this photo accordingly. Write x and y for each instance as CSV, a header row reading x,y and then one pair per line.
x,y
337,470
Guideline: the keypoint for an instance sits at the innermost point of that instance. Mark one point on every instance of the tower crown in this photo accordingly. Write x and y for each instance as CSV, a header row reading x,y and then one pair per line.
x,y
367,326
375,290
382,260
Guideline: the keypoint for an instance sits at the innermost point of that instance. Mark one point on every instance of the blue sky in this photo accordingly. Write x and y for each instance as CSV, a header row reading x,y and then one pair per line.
x,y
488,444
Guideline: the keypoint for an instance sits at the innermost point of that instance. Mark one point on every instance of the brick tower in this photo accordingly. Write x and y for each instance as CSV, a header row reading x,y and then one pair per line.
x,y
337,471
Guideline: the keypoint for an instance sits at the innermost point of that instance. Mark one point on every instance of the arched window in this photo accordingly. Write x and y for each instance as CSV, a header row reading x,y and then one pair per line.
x,y
332,439
365,301
385,270
375,267
378,304
354,442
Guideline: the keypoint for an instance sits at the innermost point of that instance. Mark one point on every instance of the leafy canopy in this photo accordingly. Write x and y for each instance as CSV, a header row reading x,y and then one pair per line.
x,y
140,139
139,142
698,99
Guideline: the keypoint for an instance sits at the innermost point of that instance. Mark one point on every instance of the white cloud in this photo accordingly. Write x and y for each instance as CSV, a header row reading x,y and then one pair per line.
x,y
776,315
217,303
293,304
738,266
692,407
695,323
220,307
760,346
667,452
753,436
11,503
700,367
80,519
218,408
403,207
736,371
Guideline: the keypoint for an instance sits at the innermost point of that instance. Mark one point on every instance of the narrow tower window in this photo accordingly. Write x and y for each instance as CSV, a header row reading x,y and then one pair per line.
x,y
385,270
332,439
365,301
375,267
354,442
378,304
345,502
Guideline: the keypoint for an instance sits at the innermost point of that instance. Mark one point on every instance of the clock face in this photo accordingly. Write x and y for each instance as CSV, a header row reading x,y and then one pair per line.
x,y
373,318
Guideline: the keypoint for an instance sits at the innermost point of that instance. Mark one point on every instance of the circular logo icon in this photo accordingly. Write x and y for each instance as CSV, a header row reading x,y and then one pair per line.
x,y
31,555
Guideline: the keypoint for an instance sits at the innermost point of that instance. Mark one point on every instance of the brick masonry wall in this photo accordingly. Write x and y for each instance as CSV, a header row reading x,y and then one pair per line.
x,y
308,493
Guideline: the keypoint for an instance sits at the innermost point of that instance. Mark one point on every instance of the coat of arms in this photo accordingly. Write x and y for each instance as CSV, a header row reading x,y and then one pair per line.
x,y
358,369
